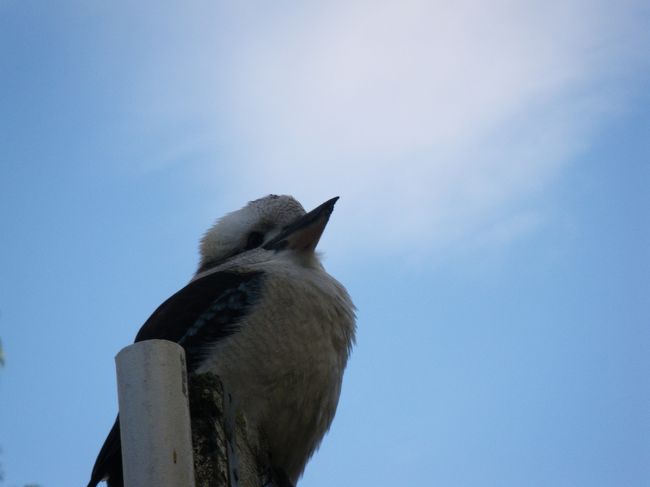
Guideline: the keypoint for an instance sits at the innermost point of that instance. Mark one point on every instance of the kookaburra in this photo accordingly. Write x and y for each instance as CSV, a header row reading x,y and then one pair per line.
x,y
262,313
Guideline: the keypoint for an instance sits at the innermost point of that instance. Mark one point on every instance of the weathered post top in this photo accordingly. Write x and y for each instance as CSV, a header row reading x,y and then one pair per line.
x,y
154,415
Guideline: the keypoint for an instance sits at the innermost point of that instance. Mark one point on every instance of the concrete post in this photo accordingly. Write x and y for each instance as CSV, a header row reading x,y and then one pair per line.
x,y
154,415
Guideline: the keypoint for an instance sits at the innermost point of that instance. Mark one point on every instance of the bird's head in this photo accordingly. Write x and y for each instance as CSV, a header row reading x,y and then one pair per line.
x,y
273,222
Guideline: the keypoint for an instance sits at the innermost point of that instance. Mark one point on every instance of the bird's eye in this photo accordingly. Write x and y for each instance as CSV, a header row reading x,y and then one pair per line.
x,y
255,239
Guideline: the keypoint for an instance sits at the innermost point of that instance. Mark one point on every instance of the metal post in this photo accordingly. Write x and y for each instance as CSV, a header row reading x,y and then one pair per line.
x,y
154,415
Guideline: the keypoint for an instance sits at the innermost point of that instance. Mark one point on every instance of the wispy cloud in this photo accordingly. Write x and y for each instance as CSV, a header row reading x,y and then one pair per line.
x,y
428,118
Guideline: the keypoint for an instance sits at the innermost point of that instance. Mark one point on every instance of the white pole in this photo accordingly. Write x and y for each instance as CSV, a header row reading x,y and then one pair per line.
x,y
154,415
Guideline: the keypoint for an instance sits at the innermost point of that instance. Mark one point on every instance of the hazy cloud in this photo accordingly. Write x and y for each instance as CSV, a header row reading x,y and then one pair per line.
x,y
430,119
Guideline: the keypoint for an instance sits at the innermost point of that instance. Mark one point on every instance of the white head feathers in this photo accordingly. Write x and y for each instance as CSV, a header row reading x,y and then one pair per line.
x,y
247,228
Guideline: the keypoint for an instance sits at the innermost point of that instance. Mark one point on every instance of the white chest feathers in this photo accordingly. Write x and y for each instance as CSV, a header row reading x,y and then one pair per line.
x,y
285,365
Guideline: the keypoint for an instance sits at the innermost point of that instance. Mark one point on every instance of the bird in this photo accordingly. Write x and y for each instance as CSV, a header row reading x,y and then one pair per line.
x,y
262,313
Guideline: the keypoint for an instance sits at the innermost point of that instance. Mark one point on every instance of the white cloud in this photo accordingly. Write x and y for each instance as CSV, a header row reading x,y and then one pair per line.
x,y
428,118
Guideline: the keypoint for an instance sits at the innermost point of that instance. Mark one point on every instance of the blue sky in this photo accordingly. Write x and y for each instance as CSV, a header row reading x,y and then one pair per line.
x,y
492,160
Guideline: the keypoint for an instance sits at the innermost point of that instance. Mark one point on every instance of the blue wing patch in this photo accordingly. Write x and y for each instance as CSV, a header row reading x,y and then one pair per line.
x,y
204,312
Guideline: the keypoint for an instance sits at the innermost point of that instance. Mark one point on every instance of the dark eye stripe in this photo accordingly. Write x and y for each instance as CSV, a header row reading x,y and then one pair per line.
x,y
255,239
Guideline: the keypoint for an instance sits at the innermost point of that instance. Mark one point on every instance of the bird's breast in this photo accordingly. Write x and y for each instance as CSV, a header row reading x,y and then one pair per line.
x,y
285,365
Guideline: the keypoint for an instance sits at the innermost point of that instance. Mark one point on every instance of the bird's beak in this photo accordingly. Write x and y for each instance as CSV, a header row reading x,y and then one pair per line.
x,y
304,234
